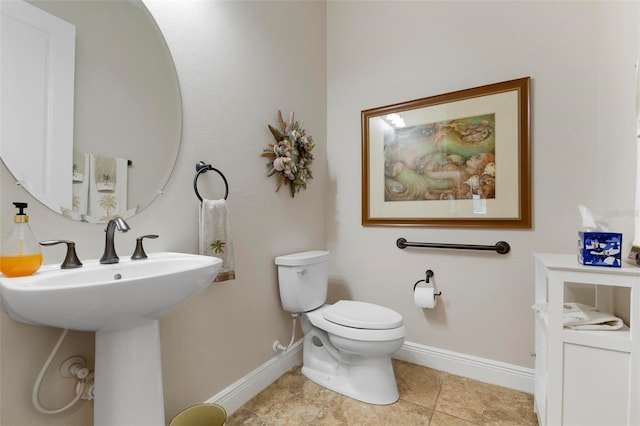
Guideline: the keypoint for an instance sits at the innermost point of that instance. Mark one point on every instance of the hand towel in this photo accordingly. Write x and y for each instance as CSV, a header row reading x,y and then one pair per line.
x,y
215,236
577,316
80,165
103,205
105,173
80,201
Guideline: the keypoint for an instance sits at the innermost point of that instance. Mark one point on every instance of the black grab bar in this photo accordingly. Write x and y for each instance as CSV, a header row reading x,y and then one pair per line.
x,y
501,247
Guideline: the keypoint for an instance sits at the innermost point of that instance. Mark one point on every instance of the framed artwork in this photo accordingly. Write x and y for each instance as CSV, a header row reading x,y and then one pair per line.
x,y
461,159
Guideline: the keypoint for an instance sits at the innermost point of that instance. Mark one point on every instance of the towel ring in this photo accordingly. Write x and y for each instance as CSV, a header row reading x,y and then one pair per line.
x,y
202,167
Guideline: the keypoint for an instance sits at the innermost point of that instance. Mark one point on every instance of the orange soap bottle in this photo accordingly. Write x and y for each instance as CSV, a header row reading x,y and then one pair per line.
x,y
20,254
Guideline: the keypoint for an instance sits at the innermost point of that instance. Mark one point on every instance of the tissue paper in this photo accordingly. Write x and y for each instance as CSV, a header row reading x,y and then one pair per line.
x,y
425,297
591,221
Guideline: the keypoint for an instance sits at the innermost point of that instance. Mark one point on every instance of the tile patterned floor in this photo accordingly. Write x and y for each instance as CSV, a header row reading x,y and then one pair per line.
x,y
427,397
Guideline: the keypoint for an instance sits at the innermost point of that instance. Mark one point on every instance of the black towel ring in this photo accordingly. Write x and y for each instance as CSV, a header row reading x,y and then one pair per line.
x,y
202,167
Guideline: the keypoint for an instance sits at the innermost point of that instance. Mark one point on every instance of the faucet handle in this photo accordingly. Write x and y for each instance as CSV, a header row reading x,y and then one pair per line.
x,y
139,251
71,259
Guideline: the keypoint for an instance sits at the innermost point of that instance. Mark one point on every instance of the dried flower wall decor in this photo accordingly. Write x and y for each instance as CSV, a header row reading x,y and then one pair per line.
x,y
290,156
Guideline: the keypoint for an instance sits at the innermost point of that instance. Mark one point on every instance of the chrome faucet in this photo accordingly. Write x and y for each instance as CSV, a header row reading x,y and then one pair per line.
x,y
110,255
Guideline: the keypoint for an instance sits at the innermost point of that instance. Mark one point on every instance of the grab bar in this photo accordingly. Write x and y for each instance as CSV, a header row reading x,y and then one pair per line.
x,y
501,247
202,167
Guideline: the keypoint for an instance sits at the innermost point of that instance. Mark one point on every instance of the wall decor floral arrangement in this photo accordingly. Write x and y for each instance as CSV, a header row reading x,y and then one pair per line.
x,y
290,156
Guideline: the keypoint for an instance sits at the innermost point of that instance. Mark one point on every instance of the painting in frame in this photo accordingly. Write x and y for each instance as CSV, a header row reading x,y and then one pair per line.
x,y
460,159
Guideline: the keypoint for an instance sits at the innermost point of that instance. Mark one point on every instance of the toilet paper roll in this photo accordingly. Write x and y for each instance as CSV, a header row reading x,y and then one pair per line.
x,y
424,297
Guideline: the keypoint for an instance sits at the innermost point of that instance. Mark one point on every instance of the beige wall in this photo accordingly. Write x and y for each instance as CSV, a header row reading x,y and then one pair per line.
x,y
238,63
580,56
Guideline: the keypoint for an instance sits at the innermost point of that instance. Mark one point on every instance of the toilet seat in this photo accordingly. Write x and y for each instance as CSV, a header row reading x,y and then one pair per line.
x,y
351,313
317,318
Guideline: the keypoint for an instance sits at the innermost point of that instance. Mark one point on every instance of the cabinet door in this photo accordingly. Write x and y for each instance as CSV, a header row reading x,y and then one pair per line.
x,y
37,85
596,386
540,390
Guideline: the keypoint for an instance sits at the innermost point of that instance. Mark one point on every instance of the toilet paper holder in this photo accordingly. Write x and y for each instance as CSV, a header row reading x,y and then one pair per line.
x,y
428,275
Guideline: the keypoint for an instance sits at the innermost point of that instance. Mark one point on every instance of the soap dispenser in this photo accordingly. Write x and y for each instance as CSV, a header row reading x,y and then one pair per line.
x,y
20,254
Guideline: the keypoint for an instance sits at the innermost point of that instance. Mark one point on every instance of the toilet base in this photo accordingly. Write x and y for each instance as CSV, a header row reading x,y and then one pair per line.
x,y
346,370
369,380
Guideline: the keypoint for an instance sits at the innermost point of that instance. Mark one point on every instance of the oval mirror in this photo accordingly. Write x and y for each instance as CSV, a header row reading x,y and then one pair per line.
x,y
125,119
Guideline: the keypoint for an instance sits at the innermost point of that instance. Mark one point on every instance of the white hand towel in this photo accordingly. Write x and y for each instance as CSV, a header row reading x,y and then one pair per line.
x,y
215,236
80,165
105,173
577,316
105,205
80,187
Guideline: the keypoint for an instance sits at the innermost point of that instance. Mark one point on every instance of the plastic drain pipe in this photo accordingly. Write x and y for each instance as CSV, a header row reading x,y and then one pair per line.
x,y
277,346
36,386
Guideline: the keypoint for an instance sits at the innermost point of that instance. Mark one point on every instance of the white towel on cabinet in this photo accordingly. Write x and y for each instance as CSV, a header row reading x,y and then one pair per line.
x,y
577,316
215,236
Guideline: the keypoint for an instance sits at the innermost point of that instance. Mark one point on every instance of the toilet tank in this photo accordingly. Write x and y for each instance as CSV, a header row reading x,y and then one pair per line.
x,y
303,279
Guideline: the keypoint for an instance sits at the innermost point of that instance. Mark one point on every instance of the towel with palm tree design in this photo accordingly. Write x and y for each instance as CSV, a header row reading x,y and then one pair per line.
x,y
215,236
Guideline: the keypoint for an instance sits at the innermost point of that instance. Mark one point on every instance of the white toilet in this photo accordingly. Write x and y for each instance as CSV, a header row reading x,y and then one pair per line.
x,y
348,345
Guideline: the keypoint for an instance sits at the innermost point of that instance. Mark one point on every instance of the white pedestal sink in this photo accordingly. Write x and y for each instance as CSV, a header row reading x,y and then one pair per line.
x,y
122,303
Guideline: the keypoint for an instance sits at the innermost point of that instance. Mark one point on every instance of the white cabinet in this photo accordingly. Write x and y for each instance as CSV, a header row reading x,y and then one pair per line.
x,y
585,377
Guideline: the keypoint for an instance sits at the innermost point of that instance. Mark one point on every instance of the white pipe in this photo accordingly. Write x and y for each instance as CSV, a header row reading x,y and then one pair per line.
x,y
277,346
36,386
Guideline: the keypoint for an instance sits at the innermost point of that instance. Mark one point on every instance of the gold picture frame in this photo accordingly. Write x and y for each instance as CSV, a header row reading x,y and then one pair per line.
x,y
460,159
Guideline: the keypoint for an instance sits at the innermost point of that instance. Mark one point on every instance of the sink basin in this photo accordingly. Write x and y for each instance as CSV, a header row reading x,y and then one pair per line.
x,y
107,297
122,303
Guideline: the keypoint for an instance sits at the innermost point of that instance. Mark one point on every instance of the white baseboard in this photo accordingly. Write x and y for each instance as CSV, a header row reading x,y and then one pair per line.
x,y
511,376
239,393
481,369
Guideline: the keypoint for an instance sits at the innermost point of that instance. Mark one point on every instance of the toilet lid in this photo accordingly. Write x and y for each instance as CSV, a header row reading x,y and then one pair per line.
x,y
362,315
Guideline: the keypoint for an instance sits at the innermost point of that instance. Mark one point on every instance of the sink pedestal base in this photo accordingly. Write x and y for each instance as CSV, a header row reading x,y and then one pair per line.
x,y
128,377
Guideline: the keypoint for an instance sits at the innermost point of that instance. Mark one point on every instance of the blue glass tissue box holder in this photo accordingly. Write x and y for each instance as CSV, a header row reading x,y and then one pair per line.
x,y
600,249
